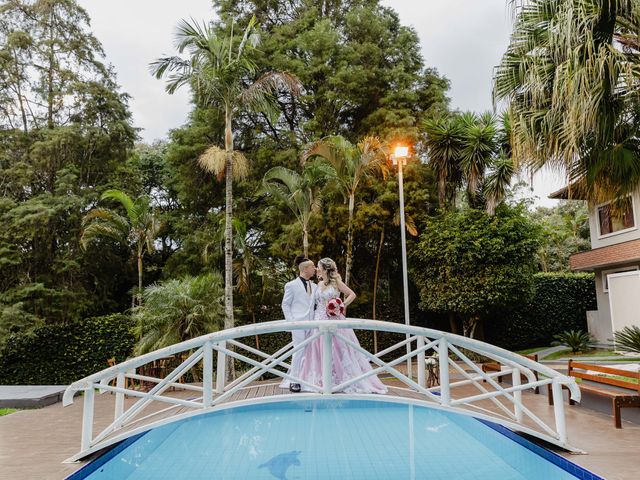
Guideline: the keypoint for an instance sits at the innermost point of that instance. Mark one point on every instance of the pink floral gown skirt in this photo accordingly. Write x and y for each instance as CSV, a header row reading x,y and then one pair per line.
x,y
348,363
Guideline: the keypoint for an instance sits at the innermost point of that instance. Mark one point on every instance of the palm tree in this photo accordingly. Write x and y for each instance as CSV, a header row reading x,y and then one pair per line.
x,y
477,151
469,150
302,193
220,72
352,164
570,79
179,309
444,137
139,227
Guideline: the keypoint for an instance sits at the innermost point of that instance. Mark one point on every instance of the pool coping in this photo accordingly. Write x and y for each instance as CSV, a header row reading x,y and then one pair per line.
x,y
577,471
103,458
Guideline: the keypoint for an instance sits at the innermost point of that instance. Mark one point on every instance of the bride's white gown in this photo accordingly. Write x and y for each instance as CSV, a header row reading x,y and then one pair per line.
x,y
348,363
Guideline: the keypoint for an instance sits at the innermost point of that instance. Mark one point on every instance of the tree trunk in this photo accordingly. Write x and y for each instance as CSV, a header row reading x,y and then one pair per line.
x,y
375,289
453,323
228,236
347,273
21,100
139,277
51,60
305,241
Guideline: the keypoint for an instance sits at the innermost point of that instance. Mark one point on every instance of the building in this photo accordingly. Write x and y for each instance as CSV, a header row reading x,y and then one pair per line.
x,y
615,259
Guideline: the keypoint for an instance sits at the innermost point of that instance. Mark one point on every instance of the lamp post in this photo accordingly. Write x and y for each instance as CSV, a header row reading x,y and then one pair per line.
x,y
399,158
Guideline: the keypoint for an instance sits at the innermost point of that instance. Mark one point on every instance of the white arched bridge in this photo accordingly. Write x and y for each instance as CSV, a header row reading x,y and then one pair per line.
x,y
462,384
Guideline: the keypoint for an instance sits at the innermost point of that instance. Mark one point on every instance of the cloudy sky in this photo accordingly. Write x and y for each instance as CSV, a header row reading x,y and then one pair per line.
x,y
463,39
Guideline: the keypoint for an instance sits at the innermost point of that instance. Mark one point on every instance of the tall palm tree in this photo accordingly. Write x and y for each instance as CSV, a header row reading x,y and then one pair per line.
x,y
138,228
443,140
302,193
351,163
469,150
570,77
222,75
479,143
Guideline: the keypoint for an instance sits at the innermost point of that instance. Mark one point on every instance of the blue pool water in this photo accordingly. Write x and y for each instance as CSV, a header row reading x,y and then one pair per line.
x,y
326,439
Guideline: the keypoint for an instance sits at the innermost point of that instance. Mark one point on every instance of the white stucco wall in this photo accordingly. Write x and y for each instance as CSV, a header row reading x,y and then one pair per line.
x,y
600,323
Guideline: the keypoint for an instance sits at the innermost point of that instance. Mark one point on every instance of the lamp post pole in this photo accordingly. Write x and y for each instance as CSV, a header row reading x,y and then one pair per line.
x,y
401,154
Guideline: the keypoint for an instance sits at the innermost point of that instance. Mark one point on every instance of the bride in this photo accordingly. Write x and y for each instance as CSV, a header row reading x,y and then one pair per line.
x,y
347,362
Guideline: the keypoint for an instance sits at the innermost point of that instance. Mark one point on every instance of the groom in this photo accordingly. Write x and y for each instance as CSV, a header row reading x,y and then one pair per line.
x,y
297,305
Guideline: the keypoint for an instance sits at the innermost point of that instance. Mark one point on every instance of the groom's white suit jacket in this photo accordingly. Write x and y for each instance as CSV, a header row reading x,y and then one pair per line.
x,y
297,305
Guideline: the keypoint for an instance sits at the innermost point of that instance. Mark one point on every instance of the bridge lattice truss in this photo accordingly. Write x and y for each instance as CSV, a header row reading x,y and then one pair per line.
x,y
447,356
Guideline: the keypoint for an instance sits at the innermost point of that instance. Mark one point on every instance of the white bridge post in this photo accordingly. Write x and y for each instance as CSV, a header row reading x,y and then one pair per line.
x,y
517,395
558,410
327,363
120,383
421,375
87,418
443,360
220,369
207,374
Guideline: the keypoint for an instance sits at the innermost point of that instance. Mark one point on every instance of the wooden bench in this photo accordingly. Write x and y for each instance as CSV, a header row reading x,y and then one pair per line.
x,y
496,367
619,398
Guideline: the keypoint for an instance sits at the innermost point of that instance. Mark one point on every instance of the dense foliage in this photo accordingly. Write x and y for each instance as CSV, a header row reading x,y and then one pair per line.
x,y
564,231
470,264
64,131
67,151
559,303
61,354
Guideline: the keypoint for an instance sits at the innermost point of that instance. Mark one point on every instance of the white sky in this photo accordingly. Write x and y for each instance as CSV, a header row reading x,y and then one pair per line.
x,y
463,39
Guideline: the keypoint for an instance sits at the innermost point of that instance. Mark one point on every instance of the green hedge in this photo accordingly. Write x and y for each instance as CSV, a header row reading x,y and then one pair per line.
x,y
61,354
560,303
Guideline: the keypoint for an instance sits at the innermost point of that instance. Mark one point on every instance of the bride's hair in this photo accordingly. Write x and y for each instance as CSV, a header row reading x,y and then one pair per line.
x,y
331,271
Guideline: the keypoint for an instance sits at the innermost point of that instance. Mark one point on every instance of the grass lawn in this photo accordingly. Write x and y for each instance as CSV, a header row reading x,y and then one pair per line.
x,y
529,350
596,352
7,411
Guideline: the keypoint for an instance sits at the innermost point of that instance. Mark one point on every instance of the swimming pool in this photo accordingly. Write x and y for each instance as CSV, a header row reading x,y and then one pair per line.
x,y
329,439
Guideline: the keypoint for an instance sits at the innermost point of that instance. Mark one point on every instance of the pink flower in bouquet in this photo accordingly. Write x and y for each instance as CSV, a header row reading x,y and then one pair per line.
x,y
335,308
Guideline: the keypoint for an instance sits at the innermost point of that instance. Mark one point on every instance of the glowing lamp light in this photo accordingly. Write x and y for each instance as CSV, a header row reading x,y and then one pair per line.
x,y
400,151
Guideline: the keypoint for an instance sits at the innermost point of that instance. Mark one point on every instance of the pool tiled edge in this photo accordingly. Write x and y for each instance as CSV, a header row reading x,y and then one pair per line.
x,y
558,460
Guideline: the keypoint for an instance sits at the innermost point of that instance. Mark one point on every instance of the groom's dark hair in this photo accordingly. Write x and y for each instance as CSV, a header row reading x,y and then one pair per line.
x,y
300,259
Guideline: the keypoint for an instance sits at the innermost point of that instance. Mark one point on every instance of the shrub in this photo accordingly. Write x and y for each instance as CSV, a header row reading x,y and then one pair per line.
x,y
559,303
61,354
628,339
576,340
179,309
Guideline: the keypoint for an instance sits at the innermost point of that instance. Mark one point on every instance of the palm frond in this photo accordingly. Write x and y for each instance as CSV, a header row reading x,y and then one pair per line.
x,y
214,159
120,197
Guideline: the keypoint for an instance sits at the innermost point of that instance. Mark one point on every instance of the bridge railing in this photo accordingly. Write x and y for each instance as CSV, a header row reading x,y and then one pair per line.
x,y
451,359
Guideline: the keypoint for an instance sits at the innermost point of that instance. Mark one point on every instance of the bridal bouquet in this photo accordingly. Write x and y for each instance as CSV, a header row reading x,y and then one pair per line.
x,y
335,308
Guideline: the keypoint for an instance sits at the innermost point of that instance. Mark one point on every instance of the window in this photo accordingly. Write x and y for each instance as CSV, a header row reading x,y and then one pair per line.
x,y
612,221
606,273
